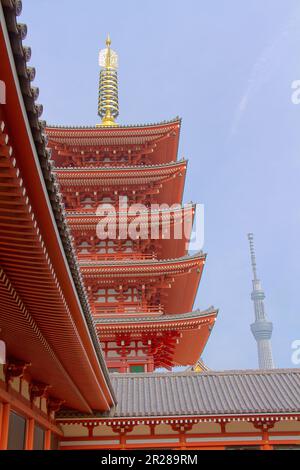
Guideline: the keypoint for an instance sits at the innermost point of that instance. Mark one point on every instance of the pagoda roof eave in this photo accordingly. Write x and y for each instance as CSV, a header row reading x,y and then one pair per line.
x,y
117,169
193,330
94,217
161,140
114,169
138,321
179,274
115,129
144,263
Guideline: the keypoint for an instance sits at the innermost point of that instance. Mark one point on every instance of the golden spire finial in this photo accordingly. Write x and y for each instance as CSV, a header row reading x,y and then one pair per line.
x,y
108,104
108,40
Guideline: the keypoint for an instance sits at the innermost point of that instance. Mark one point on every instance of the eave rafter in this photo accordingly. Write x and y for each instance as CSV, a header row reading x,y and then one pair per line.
x,y
66,417
108,154
22,115
26,263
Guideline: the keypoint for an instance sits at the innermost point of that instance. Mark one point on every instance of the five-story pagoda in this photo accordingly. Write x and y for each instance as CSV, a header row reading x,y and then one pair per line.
x,y
123,189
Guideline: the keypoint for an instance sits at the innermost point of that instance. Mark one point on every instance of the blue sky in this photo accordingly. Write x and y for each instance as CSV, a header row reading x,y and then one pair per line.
x,y
226,67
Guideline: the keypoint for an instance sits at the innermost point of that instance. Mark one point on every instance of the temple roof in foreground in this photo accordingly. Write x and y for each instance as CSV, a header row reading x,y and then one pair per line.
x,y
246,392
24,76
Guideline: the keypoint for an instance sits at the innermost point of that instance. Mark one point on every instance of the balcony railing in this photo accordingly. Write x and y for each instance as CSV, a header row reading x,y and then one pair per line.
x,y
128,309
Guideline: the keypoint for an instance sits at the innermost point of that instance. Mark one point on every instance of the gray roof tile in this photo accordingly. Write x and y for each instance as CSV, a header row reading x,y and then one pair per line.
x,y
209,393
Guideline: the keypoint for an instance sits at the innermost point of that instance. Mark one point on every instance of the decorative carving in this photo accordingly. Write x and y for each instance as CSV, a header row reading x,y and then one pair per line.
x,y
182,427
15,369
54,404
31,73
119,429
39,111
38,390
18,7
263,426
27,53
22,29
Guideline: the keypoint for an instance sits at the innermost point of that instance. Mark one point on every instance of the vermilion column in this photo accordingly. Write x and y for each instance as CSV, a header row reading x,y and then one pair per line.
x,y
182,442
1,411
47,443
122,441
29,434
150,366
4,426
266,445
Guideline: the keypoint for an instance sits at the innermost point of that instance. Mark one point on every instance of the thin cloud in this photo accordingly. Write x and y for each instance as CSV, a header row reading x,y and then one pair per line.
x,y
268,62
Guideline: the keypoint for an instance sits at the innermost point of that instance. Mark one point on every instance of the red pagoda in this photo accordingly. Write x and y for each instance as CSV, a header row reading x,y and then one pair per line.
x,y
135,282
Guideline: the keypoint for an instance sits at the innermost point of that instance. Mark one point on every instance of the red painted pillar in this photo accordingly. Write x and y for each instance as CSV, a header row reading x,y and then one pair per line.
x,y
29,434
4,425
123,441
266,445
182,442
150,366
47,443
1,412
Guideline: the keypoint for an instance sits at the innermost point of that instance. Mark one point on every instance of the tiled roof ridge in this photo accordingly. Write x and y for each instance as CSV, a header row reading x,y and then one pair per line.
x,y
242,393
229,372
